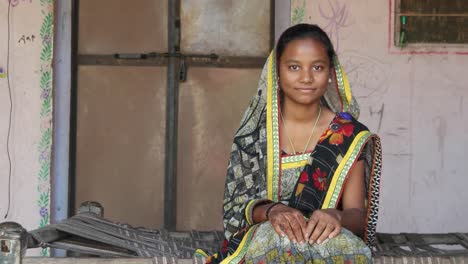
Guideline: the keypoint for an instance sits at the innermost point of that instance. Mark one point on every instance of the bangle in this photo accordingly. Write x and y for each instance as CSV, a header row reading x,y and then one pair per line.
x,y
267,212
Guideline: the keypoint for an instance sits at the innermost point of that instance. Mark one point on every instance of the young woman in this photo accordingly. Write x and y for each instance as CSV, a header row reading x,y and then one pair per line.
x,y
303,177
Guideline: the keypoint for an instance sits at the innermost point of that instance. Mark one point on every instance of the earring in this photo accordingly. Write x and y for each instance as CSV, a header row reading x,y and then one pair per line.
x,y
329,80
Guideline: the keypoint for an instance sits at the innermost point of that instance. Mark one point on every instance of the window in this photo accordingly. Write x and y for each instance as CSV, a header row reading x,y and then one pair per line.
x,y
431,22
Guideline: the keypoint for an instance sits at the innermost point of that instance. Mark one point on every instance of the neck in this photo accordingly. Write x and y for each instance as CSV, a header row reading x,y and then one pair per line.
x,y
299,112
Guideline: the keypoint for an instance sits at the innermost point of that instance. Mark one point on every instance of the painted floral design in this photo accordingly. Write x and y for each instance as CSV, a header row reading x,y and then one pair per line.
x,y
340,127
45,143
298,14
44,212
320,179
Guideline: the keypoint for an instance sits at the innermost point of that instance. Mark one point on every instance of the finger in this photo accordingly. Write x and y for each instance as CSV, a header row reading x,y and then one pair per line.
x,y
303,225
277,228
318,230
286,227
310,227
296,228
326,232
335,232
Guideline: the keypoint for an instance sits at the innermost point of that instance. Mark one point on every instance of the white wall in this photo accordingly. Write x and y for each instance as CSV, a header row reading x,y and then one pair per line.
x,y
28,81
423,119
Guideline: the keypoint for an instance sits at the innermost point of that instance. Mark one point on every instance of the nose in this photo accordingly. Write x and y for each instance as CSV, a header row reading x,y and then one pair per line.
x,y
306,76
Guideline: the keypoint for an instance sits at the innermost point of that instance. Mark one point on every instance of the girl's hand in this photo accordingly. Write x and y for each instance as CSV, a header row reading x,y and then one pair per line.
x,y
289,222
322,225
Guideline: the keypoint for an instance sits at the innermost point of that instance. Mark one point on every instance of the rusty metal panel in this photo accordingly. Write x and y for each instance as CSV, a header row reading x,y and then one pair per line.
x,y
120,142
212,102
226,27
120,26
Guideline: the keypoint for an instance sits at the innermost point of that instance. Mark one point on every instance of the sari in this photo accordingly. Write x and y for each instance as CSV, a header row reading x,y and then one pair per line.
x,y
259,172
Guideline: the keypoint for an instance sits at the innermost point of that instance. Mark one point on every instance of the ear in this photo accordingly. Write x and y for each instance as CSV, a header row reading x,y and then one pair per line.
x,y
331,74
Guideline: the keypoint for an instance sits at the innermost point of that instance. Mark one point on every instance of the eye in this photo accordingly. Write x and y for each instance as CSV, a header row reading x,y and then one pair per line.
x,y
293,67
317,68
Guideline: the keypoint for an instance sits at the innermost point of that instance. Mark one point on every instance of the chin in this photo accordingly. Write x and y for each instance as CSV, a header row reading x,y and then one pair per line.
x,y
307,101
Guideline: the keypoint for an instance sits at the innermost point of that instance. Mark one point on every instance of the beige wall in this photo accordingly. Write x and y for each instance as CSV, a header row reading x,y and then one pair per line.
x,y
422,119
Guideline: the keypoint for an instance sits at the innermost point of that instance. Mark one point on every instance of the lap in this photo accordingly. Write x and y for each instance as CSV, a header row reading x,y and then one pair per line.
x,y
266,246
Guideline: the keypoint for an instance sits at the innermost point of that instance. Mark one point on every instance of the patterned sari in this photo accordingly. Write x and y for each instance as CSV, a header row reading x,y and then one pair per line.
x,y
259,171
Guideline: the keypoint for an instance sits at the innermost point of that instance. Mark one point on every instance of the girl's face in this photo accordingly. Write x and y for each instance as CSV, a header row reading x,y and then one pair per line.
x,y
304,71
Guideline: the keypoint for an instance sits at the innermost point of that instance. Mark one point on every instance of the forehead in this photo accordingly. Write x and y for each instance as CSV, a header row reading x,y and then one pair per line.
x,y
304,49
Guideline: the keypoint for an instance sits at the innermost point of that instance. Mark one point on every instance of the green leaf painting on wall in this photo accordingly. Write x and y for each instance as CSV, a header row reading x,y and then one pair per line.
x,y
45,85
298,14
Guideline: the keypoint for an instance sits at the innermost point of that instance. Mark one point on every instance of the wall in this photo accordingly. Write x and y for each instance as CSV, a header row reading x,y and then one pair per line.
x,y
26,50
415,100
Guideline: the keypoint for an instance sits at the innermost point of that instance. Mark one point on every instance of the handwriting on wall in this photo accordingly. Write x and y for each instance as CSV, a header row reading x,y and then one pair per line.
x,y
24,39
15,3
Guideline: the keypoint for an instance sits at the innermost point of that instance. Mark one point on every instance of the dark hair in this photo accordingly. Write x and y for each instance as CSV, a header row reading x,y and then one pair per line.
x,y
304,31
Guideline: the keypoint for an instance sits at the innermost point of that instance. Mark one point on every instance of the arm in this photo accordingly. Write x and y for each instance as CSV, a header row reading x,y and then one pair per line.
x,y
353,216
327,223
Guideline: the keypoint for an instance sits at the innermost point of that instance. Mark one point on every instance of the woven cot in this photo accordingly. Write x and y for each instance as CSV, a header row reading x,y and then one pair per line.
x,y
95,236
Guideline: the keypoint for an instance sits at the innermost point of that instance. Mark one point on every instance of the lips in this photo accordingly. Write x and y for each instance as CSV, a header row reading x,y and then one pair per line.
x,y
304,89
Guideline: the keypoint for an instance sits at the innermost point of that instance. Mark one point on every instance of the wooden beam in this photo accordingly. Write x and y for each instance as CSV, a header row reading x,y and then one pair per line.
x,y
433,15
219,62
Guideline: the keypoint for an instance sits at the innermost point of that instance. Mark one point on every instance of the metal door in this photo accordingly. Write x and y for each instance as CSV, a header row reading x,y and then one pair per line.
x,y
155,123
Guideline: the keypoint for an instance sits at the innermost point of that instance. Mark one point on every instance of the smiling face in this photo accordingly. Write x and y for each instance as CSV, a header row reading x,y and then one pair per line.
x,y
304,70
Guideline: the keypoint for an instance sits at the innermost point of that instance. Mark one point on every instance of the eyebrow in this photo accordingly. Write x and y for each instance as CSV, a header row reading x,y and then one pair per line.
x,y
296,61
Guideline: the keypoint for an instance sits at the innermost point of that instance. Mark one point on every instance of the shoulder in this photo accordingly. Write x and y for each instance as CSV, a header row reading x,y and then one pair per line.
x,y
347,118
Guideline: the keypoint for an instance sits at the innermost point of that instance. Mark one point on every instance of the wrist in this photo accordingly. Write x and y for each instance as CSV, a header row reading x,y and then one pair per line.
x,y
338,215
258,210
252,210
269,209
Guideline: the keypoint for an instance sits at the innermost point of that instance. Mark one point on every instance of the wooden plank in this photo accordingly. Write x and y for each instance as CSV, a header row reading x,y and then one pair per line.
x,y
32,260
433,14
434,6
376,260
417,260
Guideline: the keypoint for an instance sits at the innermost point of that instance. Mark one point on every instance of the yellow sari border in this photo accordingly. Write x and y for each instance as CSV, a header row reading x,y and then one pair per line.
x,y
248,215
293,165
344,90
341,172
347,88
273,152
269,125
249,209
238,255
200,253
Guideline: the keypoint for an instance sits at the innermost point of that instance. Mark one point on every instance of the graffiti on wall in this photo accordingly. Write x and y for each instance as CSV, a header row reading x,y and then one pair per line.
x,y
15,3
337,16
